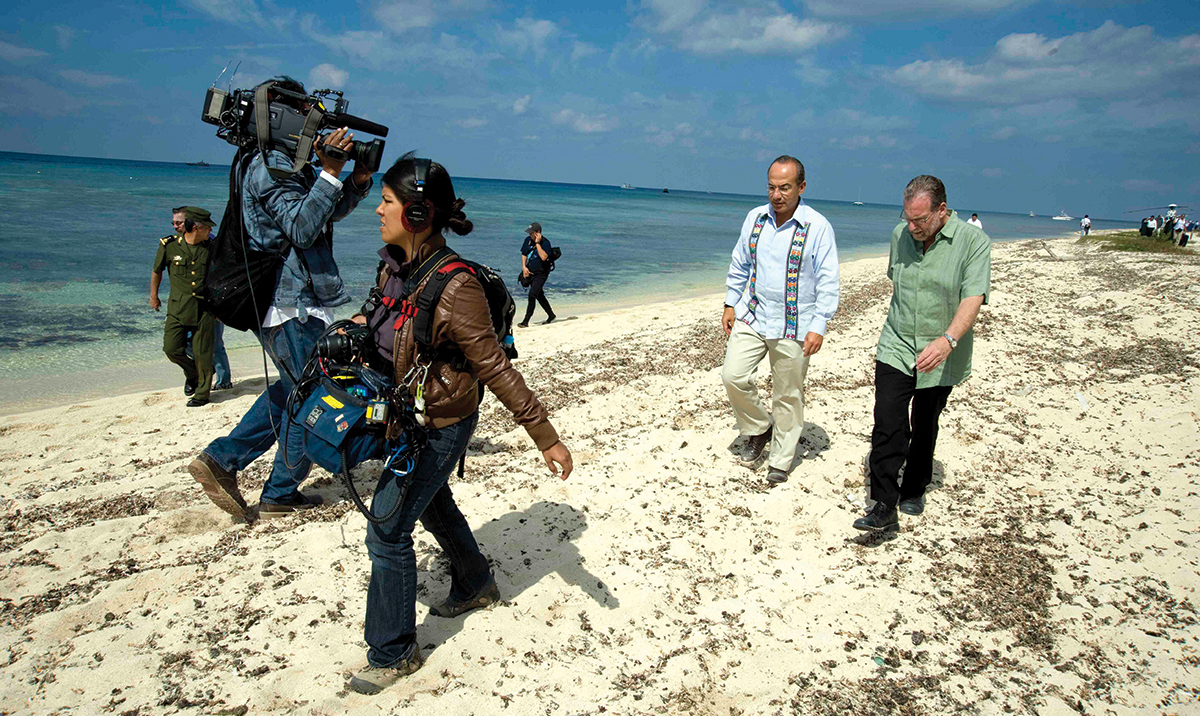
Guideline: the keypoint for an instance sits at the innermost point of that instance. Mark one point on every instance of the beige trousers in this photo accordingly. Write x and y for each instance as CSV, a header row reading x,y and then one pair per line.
x,y
744,351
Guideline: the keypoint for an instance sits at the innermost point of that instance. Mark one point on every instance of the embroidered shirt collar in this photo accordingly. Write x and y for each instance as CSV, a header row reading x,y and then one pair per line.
x,y
795,214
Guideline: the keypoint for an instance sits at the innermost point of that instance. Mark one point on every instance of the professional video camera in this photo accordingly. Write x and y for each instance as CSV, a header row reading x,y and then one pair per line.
x,y
245,117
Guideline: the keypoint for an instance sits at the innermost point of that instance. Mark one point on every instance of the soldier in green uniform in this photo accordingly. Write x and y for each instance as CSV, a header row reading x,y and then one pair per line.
x,y
187,257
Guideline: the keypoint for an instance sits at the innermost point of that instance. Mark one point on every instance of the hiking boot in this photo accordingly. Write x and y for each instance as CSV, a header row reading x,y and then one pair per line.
x,y
373,679
776,475
489,595
881,517
220,485
302,502
752,451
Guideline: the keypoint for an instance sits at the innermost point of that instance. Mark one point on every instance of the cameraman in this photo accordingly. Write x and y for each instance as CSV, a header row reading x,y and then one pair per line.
x,y
295,215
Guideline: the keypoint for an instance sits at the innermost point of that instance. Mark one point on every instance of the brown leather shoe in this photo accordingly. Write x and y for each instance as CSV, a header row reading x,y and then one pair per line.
x,y
220,486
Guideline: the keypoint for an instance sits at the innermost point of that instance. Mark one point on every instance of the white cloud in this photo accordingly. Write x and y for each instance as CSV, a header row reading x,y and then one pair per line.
x,y
327,75
232,11
1109,62
64,36
992,172
665,137
586,124
526,35
874,9
521,104
582,49
1004,133
15,53
400,16
471,122
753,29
91,79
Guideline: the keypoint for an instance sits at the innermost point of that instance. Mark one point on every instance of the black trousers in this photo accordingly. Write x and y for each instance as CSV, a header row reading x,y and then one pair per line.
x,y
899,437
538,294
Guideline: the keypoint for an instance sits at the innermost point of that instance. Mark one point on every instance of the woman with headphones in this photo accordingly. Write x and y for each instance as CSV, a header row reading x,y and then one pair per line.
x,y
418,205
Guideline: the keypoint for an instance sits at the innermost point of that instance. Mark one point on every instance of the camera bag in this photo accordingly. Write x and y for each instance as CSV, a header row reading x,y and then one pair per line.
x,y
336,435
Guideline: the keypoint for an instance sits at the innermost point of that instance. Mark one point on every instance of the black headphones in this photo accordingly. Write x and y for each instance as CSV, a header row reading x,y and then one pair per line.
x,y
188,225
418,215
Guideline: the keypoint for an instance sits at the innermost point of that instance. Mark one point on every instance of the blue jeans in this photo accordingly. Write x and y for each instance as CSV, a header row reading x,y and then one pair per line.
x,y
391,623
289,345
220,357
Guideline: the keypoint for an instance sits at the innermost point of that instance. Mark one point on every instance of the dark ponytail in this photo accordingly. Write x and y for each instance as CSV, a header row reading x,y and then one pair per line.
x,y
439,191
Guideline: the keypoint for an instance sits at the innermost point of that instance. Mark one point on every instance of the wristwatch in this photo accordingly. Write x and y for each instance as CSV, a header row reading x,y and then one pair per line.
x,y
953,343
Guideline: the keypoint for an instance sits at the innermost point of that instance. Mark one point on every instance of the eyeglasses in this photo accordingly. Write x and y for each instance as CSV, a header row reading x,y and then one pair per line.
x,y
176,223
923,220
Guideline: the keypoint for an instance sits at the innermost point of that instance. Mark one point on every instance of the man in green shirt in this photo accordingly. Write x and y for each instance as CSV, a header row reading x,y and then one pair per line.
x,y
941,269
187,257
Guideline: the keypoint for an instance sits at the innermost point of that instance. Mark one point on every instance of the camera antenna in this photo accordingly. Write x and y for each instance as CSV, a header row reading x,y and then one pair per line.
x,y
231,76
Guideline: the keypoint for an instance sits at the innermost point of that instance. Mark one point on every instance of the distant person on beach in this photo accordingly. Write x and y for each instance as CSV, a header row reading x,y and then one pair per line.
x,y
467,357
296,213
535,269
974,221
1085,225
941,269
1180,226
781,290
223,378
1156,223
1145,230
187,257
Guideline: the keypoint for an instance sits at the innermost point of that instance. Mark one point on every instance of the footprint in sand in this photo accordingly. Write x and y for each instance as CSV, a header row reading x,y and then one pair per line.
x,y
154,399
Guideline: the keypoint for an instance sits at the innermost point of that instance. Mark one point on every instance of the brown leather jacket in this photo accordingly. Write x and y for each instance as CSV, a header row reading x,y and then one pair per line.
x,y
462,318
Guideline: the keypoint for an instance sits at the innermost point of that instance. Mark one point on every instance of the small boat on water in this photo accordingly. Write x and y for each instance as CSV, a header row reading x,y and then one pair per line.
x,y
626,186
859,202
1031,213
198,164
666,192
1062,216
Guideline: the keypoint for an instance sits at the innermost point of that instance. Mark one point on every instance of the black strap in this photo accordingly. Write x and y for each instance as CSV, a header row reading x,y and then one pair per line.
x,y
427,302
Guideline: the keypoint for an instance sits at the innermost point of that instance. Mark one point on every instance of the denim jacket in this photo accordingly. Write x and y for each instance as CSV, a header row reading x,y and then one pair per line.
x,y
298,210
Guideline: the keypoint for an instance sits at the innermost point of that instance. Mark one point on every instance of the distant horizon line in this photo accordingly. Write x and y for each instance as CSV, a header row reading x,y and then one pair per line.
x,y
536,181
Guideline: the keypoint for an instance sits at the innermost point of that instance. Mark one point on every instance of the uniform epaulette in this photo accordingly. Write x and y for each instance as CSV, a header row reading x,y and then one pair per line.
x,y
166,240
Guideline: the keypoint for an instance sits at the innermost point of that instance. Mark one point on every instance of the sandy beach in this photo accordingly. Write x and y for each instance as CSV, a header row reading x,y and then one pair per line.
x,y
1054,571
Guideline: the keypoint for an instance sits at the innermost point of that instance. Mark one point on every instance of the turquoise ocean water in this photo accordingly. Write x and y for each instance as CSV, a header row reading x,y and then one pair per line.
x,y
78,236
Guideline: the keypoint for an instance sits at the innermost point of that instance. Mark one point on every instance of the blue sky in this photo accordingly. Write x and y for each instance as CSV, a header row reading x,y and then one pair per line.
x,y
1089,106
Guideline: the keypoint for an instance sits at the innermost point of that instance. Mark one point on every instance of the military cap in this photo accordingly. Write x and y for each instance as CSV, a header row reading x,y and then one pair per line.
x,y
198,215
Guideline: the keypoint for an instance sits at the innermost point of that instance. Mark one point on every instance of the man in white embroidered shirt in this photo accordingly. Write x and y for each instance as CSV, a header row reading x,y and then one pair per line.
x,y
781,290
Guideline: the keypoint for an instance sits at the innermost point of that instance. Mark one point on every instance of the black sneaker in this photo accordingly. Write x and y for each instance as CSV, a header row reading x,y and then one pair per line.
x,y
549,320
752,451
223,386
268,510
881,517
523,324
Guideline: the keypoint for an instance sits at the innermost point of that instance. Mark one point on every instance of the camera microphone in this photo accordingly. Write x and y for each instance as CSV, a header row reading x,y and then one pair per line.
x,y
356,123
